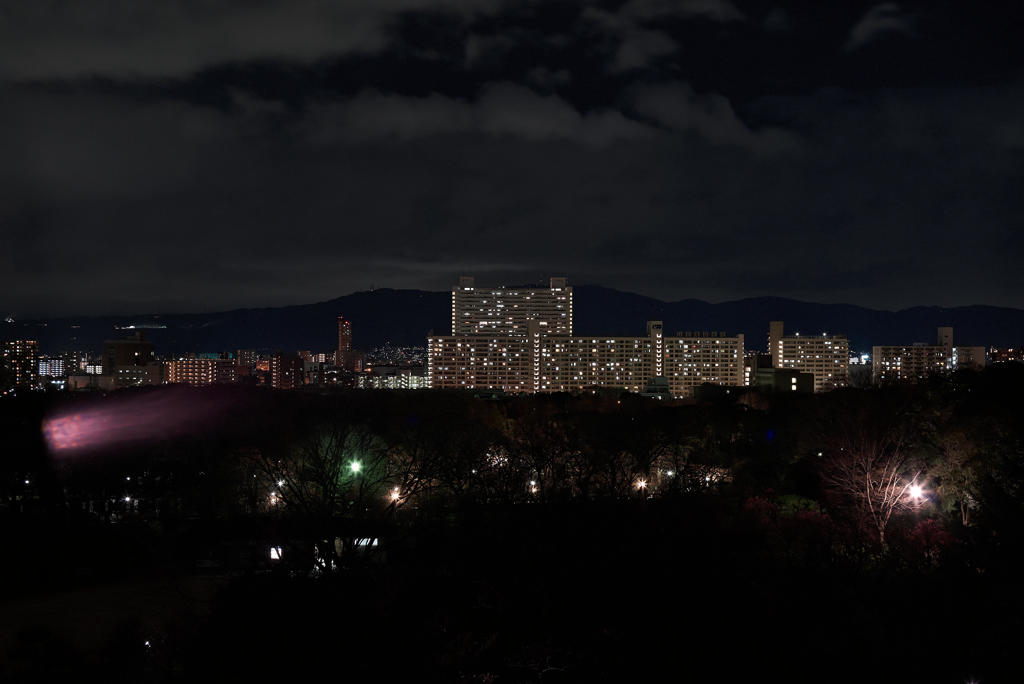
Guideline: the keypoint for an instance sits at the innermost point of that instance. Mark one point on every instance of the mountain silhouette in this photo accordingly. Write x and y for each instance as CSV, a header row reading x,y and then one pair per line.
x,y
404,317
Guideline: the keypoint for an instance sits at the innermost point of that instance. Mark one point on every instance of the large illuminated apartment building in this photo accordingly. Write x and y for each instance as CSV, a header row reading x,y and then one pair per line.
x,y
20,362
200,371
826,356
533,354
501,311
910,363
906,363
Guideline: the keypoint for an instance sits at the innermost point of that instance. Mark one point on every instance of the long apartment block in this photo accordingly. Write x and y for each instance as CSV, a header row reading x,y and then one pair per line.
x,y
519,340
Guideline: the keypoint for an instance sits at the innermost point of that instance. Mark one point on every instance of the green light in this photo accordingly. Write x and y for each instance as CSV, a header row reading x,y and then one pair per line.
x,y
355,467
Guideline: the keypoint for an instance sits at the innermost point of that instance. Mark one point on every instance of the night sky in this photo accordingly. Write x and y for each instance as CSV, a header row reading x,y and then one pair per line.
x,y
195,155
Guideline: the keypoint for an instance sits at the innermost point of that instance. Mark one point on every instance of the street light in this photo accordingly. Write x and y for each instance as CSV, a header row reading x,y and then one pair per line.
x,y
916,492
355,467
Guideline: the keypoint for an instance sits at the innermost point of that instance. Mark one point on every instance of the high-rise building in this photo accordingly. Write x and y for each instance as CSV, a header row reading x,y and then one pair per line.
x,y
826,356
248,358
74,362
286,371
51,367
968,358
507,311
20,362
200,371
540,362
697,358
945,340
151,373
134,351
909,363
343,358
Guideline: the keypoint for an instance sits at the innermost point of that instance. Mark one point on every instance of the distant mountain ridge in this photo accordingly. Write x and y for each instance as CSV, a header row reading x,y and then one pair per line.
x,y
404,317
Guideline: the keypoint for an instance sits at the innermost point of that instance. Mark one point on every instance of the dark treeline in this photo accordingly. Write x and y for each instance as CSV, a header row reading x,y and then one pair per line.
x,y
438,536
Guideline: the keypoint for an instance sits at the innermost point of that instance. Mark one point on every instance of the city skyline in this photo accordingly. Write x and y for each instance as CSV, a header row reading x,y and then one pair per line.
x,y
400,317
514,340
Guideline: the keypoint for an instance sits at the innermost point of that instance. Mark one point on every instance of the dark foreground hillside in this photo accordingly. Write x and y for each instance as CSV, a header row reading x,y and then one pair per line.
x,y
532,540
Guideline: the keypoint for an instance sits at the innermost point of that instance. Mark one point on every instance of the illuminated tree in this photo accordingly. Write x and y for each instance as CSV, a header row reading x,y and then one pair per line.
x,y
870,466
339,473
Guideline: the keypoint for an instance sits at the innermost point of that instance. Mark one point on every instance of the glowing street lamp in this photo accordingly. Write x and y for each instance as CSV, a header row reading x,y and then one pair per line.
x,y
396,494
641,484
916,492
355,467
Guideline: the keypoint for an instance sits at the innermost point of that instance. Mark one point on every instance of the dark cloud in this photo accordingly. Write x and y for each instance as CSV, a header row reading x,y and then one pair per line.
x,y
502,109
886,18
187,157
72,38
677,107
714,10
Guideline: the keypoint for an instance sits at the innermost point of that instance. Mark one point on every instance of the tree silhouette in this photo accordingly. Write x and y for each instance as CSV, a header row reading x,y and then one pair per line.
x,y
870,466
338,473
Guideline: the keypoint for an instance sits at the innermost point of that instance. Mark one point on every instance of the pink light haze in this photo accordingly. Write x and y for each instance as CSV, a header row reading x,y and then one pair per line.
x,y
120,420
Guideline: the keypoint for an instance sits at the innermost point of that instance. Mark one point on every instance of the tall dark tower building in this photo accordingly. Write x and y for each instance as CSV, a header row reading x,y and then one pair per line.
x,y
286,371
343,359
